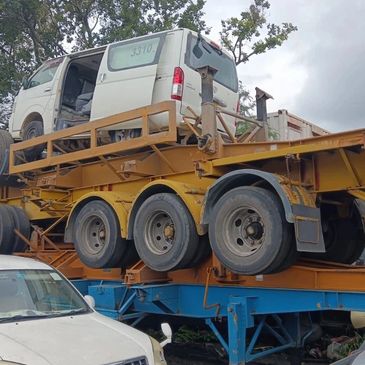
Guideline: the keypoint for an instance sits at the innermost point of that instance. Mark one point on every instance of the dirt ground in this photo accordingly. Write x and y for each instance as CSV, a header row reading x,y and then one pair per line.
x,y
192,355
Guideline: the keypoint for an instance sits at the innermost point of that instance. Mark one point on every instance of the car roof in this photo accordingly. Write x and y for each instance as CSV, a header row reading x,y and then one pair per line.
x,y
9,262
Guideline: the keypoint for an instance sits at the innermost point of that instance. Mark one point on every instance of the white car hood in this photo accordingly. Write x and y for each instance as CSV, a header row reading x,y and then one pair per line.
x,y
87,339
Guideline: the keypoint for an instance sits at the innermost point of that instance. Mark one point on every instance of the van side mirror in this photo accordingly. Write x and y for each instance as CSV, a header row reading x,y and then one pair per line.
x,y
90,301
25,82
166,330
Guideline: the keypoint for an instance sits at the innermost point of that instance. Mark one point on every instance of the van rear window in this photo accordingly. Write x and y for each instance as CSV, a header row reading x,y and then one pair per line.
x,y
133,54
200,53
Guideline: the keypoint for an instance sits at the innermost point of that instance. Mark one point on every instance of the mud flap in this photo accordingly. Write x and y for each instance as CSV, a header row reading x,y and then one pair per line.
x,y
308,229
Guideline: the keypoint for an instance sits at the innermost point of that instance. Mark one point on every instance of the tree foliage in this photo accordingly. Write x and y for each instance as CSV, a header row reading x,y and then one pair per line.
x,y
251,34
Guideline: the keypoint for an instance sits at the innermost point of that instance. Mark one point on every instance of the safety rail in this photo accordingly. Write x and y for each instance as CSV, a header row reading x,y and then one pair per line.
x,y
55,155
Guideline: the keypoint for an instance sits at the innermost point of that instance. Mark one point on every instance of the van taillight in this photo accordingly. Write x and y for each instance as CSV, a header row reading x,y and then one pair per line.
x,y
177,84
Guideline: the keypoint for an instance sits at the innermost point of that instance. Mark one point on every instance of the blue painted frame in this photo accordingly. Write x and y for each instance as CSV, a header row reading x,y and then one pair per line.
x,y
244,308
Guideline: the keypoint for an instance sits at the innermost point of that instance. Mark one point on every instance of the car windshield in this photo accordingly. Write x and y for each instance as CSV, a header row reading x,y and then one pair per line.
x,y
32,294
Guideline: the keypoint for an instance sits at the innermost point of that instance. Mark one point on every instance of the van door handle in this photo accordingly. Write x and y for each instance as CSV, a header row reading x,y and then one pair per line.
x,y
47,90
102,77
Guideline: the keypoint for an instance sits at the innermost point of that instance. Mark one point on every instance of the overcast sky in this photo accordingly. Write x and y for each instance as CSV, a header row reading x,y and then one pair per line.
x,y
318,74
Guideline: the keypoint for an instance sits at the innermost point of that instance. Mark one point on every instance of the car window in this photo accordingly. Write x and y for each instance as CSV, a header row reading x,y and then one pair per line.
x,y
45,73
200,53
133,54
37,293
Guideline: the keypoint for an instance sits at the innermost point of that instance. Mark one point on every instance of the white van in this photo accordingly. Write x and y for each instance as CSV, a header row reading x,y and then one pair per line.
x,y
100,82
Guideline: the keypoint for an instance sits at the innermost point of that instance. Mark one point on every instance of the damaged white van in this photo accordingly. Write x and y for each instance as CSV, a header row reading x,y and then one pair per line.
x,y
100,82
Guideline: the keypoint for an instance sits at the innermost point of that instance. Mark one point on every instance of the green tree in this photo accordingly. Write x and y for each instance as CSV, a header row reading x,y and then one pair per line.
x,y
251,34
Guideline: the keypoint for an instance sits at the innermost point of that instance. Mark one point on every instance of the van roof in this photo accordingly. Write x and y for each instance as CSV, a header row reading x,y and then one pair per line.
x,y
9,262
102,48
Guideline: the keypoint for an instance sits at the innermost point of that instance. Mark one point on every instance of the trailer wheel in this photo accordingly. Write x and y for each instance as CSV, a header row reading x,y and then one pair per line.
x,y
344,242
97,237
5,141
20,222
6,231
165,233
203,251
32,130
248,231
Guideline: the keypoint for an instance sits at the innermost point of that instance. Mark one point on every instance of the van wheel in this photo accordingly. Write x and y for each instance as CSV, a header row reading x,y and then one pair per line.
x,y
165,233
32,130
249,233
97,237
21,223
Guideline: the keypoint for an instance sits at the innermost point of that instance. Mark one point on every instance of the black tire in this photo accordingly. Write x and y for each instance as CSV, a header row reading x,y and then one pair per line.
x,y
288,254
165,234
344,242
5,141
248,231
97,237
32,130
289,260
20,222
203,251
6,231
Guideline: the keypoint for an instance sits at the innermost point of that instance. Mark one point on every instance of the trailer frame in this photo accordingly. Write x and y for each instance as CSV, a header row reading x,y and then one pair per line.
x,y
244,310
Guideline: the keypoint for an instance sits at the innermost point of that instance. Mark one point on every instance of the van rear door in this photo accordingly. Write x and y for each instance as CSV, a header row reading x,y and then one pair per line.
x,y
127,76
201,52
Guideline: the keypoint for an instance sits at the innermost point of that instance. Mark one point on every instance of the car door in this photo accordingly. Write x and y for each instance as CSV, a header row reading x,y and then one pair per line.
x,y
127,76
38,95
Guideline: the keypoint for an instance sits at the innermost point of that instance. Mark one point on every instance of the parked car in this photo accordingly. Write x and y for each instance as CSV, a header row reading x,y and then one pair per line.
x,y
121,76
45,320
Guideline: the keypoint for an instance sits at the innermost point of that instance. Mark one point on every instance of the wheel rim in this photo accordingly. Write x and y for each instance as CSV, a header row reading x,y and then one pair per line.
x,y
94,234
244,231
160,233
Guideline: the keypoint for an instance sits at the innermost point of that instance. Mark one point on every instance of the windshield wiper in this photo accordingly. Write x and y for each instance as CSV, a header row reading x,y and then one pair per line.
x,y
21,317
70,312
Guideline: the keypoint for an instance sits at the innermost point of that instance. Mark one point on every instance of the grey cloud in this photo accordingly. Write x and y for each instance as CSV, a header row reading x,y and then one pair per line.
x,y
333,53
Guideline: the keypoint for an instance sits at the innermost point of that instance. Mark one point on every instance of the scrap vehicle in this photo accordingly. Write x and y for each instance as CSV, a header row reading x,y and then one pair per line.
x,y
96,83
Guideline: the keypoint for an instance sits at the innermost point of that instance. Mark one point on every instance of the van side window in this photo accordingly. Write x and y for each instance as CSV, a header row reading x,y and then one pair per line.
x,y
45,73
126,55
200,53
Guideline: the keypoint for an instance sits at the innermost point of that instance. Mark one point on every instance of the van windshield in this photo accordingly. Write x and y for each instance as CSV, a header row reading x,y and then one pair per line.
x,y
200,53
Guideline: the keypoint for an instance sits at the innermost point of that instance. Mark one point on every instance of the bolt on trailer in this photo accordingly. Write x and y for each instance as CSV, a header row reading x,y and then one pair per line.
x,y
255,204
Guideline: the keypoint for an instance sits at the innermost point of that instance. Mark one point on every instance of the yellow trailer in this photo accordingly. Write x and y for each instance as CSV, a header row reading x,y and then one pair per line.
x,y
167,201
